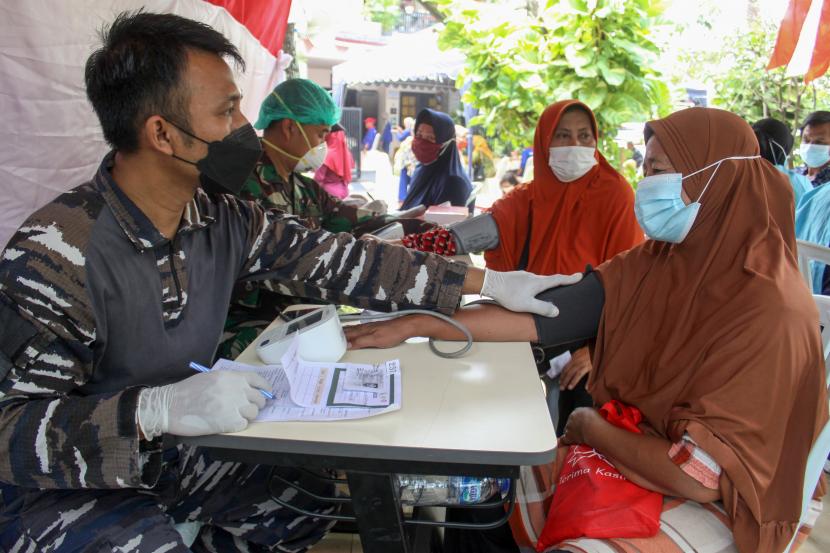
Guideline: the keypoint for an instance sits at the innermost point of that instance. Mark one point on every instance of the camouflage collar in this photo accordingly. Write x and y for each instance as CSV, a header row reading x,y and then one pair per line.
x,y
139,229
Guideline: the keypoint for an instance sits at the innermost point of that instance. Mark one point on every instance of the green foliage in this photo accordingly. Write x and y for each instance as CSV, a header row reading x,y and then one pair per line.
x,y
631,172
598,51
385,12
746,88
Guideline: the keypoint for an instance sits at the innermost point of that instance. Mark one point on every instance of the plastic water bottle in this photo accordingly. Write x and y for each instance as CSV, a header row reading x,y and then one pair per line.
x,y
417,489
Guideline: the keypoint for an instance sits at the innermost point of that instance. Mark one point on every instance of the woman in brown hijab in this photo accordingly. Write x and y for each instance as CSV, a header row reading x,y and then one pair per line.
x,y
713,334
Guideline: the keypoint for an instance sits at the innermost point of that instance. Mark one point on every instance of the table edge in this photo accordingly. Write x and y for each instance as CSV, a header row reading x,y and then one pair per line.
x,y
380,452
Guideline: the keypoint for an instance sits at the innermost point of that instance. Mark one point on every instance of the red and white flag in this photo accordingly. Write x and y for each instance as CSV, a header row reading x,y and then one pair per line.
x,y
803,43
52,140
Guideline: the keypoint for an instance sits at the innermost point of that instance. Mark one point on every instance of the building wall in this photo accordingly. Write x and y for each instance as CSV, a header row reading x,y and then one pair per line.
x,y
389,107
320,75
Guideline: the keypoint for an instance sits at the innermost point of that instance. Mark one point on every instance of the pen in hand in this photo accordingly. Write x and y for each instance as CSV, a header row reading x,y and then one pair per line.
x,y
202,369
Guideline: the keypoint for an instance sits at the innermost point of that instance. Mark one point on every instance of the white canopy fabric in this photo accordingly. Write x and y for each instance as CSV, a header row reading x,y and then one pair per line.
x,y
52,140
407,57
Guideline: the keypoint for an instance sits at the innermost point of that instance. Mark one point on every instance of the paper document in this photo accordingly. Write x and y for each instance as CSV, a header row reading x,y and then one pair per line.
x,y
338,384
325,391
558,364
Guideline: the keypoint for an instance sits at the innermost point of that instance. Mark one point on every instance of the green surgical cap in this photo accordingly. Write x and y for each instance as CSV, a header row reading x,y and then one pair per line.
x,y
301,100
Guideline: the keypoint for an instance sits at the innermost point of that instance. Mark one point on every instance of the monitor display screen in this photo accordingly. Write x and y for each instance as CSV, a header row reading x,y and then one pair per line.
x,y
304,322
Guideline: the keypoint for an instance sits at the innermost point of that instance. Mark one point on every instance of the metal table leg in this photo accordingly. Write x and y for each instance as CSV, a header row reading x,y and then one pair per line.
x,y
378,511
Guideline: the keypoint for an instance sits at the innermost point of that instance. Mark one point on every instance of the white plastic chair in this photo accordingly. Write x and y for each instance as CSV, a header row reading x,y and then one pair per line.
x,y
815,464
823,304
807,251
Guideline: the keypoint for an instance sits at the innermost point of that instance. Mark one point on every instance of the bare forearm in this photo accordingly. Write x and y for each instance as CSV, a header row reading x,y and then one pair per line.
x,y
473,281
645,461
487,323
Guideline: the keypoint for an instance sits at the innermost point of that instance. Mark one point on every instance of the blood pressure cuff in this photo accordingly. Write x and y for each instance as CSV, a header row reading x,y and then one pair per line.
x,y
580,309
15,334
475,235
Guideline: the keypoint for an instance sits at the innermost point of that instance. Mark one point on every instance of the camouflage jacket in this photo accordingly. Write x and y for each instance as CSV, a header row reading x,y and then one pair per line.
x,y
255,304
302,197
95,303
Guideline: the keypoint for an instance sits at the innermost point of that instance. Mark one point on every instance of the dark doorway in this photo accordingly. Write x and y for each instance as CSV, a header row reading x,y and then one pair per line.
x,y
367,100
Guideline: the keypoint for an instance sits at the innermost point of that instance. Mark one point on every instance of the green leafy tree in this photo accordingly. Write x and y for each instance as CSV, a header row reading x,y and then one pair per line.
x,y
746,88
385,12
598,51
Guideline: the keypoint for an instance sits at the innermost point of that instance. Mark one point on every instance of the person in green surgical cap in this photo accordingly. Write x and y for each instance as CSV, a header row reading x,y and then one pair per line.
x,y
295,119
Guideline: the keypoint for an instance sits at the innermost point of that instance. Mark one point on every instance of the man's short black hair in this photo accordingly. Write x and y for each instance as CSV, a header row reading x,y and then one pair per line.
x,y
768,130
816,118
137,71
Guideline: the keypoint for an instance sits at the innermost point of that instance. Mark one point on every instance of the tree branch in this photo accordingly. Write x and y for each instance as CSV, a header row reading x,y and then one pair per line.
x,y
434,10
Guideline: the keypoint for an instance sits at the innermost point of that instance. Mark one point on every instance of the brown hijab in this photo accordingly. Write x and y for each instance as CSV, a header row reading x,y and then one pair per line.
x,y
718,336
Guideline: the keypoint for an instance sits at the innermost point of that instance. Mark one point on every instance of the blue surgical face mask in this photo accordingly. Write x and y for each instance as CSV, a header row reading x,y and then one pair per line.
x,y
814,155
659,205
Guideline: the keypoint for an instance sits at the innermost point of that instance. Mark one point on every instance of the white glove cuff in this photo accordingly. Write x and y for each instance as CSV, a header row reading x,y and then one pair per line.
x,y
153,406
491,278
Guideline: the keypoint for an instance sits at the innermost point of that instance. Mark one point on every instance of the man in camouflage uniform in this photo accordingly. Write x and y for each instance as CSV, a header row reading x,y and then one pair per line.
x,y
295,119
107,293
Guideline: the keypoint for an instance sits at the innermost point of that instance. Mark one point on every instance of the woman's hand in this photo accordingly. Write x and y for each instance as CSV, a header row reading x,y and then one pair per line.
x,y
384,334
577,367
579,426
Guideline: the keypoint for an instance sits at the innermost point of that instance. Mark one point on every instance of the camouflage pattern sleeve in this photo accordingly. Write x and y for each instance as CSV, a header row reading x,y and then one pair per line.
x,y
338,268
337,216
54,436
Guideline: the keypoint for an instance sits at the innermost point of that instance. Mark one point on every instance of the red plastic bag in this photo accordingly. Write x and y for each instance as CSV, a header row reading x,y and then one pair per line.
x,y
592,499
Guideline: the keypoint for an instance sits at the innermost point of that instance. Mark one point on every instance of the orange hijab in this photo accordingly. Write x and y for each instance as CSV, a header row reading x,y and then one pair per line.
x,y
718,336
574,224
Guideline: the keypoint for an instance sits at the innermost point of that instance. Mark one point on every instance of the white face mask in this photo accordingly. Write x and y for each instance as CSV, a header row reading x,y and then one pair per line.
x,y
313,159
569,163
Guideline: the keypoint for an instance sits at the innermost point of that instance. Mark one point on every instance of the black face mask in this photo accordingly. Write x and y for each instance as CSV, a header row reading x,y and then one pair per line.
x,y
228,162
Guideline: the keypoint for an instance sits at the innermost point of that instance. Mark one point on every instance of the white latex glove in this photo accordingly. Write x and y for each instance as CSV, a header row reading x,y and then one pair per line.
x,y
205,403
516,290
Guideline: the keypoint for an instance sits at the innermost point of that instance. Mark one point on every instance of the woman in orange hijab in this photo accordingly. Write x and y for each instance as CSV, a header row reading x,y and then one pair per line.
x,y
707,328
577,211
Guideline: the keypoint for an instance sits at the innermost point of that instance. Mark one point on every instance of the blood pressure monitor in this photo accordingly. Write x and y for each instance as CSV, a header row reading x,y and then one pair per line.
x,y
320,334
